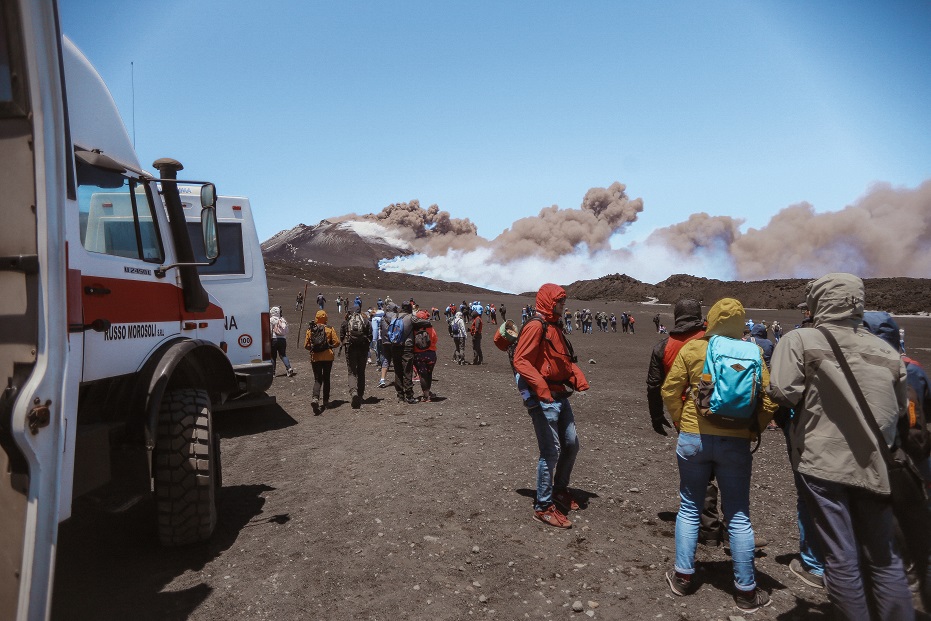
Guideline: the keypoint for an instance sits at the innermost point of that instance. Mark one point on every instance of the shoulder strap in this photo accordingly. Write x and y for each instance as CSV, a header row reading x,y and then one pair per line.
x,y
855,388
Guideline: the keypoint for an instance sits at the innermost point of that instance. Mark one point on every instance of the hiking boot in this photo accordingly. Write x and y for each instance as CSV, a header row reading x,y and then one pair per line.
x,y
291,373
680,584
552,516
805,575
382,384
315,406
751,601
758,542
411,400
565,498
356,402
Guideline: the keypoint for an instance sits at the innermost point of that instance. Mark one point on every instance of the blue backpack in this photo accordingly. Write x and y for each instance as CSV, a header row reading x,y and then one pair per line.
x,y
396,331
731,383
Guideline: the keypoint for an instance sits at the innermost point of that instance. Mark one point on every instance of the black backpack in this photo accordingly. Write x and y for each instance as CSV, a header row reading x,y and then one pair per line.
x,y
422,339
318,339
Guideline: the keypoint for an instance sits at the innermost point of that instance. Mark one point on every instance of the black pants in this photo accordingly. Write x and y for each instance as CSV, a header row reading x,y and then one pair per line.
x,y
322,378
403,357
424,362
356,356
477,349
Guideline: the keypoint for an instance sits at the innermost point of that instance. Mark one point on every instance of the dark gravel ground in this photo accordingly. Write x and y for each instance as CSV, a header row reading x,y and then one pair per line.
x,y
424,511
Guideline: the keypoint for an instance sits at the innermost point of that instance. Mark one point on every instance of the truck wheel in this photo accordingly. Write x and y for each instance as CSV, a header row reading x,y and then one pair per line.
x,y
186,468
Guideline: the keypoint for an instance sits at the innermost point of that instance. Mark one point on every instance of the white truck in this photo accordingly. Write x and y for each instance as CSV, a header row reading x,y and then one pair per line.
x,y
111,349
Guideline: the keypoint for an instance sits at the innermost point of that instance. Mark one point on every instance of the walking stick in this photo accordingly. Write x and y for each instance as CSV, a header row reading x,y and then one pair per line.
x,y
301,324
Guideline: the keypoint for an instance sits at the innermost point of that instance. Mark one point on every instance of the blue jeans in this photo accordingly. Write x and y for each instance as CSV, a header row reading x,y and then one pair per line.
x,y
857,534
554,425
700,455
809,546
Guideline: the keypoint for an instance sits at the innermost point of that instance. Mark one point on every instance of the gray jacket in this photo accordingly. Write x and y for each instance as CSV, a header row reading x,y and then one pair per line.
x,y
829,437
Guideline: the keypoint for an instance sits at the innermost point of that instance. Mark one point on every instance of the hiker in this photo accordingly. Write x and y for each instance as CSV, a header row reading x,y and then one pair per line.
x,y
356,333
299,303
630,322
843,474
689,325
567,322
494,315
321,301
777,332
915,523
278,327
379,333
401,333
504,313
457,330
625,323
475,329
757,334
656,321
320,339
339,304
547,374
425,339
357,302
707,445
613,320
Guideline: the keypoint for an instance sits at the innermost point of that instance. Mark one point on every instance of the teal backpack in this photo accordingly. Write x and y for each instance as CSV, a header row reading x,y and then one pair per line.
x,y
731,383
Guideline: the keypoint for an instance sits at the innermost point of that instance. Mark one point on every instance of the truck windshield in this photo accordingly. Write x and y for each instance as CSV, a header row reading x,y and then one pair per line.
x,y
116,216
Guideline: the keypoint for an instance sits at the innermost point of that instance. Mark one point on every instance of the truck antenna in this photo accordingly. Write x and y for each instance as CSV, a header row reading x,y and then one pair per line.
x,y
132,73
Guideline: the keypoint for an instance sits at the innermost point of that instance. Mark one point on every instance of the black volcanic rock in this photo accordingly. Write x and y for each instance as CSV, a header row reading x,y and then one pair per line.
x,y
329,243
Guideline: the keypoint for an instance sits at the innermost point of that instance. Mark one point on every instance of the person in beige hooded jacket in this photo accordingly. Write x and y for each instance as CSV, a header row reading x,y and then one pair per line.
x,y
843,474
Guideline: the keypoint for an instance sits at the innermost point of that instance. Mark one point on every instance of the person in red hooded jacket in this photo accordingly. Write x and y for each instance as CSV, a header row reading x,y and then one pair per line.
x,y
547,375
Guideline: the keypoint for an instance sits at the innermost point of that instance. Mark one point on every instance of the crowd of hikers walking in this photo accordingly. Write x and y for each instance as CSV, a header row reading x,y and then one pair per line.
x,y
848,400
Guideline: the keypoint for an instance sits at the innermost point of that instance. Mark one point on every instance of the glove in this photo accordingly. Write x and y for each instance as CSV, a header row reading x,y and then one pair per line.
x,y
658,423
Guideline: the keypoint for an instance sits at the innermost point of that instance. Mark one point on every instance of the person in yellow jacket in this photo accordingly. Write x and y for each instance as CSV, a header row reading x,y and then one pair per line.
x,y
704,448
321,361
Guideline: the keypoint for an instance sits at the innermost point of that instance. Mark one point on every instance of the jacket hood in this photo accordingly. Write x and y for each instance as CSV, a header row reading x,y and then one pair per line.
x,y
884,326
727,318
687,313
458,314
758,331
274,311
836,298
546,300
320,317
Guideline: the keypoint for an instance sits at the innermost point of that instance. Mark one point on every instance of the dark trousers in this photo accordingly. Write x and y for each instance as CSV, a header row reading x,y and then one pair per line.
x,y
403,371
424,362
477,349
710,530
322,378
856,530
356,357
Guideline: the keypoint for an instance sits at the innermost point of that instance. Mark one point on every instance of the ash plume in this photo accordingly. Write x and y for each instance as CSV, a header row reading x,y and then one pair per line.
x,y
887,232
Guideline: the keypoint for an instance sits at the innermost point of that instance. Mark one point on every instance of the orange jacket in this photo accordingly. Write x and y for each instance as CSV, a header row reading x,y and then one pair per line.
x,y
543,360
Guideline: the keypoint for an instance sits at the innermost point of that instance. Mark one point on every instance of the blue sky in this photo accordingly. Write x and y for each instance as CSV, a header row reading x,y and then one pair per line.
x,y
494,110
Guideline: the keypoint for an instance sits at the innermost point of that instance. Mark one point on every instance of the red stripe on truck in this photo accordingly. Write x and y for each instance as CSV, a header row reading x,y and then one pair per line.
x,y
137,301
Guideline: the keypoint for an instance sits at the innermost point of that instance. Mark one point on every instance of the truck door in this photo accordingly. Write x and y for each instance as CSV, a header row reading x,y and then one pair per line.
x,y
33,322
127,310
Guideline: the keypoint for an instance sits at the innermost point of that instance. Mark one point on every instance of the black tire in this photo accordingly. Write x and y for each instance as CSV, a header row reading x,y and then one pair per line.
x,y
186,468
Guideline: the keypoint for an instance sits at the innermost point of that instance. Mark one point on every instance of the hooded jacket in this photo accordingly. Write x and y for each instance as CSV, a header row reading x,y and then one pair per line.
x,y
829,436
543,358
327,354
459,321
758,336
725,318
689,325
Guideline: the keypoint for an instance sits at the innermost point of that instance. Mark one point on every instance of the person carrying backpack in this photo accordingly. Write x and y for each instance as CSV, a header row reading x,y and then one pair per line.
x,y
401,336
319,340
356,334
547,374
278,327
457,330
425,339
321,301
717,440
475,329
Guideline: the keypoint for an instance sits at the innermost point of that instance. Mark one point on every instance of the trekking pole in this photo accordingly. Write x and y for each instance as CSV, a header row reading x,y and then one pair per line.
x,y
301,323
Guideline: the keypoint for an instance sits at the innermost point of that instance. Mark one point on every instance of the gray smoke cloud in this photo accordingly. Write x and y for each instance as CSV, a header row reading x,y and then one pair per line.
x,y
885,233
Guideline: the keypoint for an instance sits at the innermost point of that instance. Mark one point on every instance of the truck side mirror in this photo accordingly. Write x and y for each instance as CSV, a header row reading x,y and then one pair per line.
x,y
208,195
208,225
